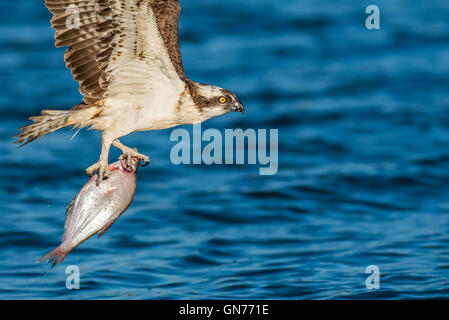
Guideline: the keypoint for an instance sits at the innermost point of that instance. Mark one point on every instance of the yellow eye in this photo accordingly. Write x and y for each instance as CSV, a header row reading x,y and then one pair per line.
x,y
222,100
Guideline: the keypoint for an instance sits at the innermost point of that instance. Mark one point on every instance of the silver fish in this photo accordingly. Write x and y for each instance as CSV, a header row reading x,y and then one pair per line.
x,y
96,208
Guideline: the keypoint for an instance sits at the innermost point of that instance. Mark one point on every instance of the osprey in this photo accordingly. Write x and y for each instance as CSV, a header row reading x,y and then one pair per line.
x,y
125,55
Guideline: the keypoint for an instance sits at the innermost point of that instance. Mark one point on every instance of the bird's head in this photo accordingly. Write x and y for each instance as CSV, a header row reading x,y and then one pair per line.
x,y
214,101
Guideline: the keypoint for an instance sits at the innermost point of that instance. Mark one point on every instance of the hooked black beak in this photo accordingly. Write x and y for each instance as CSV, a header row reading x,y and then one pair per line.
x,y
238,107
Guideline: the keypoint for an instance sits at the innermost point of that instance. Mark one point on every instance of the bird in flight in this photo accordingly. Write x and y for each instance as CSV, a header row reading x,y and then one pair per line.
x,y
125,55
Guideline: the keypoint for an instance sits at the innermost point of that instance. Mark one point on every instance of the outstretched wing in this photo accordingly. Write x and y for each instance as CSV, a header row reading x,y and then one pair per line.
x,y
167,14
109,39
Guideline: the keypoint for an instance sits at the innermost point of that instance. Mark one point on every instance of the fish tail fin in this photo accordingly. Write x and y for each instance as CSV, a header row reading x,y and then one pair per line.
x,y
54,257
51,120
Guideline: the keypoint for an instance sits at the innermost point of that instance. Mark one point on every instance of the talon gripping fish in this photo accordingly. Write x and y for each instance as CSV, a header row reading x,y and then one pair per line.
x,y
96,208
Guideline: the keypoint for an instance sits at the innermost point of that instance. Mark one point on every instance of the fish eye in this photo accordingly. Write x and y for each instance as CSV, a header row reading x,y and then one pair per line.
x,y
134,160
222,100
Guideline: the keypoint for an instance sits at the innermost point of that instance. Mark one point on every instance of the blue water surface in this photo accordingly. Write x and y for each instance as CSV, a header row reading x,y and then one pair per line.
x,y
363,160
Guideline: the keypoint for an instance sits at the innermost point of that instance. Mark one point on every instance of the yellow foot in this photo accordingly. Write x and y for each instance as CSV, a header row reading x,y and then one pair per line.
x,y
102,170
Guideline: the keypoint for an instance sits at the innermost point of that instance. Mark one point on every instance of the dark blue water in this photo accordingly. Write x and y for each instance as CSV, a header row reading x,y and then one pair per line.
x,y
363,160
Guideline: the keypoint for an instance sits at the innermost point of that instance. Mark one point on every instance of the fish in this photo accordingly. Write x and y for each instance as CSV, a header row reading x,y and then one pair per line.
x,y
96,207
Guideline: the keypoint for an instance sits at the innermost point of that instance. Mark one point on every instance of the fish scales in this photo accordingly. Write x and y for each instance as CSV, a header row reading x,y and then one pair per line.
x,y
96,208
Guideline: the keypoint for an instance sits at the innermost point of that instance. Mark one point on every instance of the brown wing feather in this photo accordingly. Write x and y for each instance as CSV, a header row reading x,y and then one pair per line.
x,y
90,45
103,24
167,14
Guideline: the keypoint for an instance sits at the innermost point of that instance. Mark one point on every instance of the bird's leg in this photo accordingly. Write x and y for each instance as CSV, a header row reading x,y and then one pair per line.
x,y
129,153
102,166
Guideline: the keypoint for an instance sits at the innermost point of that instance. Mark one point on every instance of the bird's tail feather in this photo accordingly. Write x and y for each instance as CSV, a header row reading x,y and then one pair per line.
x,y
52,120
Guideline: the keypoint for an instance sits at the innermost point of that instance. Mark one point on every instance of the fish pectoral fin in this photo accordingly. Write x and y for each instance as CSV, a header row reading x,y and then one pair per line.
x,y
105,229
